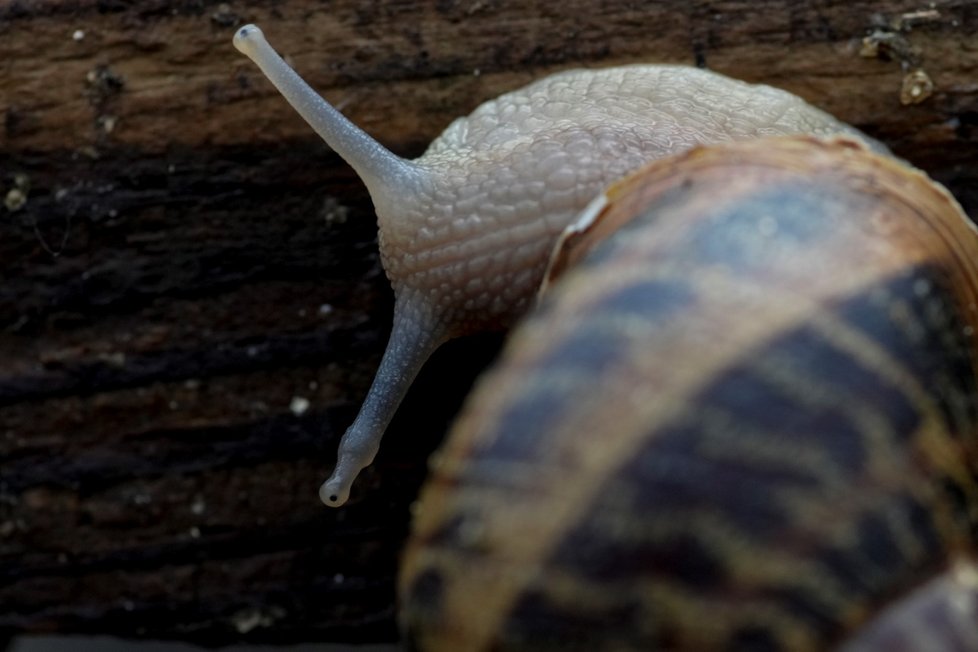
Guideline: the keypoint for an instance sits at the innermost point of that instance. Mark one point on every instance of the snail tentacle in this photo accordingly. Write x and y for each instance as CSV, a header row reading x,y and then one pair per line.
x,y
375,164
413,338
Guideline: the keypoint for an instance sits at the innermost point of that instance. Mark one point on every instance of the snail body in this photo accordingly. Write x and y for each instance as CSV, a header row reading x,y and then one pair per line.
x,y
742,425
738,425
466,230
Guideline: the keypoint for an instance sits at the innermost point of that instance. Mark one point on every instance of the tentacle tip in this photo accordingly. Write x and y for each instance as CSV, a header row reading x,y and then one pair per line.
x,y
334,492
246,38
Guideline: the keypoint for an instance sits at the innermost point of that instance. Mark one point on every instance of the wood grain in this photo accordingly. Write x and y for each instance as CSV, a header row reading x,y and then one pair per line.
x,y
181,260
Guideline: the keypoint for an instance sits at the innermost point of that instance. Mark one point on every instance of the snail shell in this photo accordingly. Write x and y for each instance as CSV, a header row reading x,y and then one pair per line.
x,y
745,420
466,230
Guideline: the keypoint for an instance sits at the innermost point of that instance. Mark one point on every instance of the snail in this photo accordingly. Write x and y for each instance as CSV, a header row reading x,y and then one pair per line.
x,y
465,231
740,425
744,425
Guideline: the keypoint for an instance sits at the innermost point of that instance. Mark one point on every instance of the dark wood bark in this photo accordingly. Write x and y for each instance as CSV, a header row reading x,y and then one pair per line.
x,y
180,260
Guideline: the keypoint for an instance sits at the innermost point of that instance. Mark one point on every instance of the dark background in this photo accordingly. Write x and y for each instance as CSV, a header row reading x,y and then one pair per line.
x,y
183,263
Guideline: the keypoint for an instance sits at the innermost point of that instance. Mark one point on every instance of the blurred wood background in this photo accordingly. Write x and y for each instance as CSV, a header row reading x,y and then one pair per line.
x,y
191,304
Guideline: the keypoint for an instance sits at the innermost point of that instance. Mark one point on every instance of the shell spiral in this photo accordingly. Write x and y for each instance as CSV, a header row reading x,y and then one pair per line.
x,y
746,424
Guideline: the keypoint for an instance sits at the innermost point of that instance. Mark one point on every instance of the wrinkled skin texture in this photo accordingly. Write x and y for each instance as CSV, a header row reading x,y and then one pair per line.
x,y
502,183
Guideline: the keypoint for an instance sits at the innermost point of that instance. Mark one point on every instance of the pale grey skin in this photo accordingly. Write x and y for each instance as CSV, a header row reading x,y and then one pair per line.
x,y
466,230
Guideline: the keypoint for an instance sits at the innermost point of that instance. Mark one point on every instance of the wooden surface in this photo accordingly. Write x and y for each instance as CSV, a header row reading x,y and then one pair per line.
x,y
182,264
